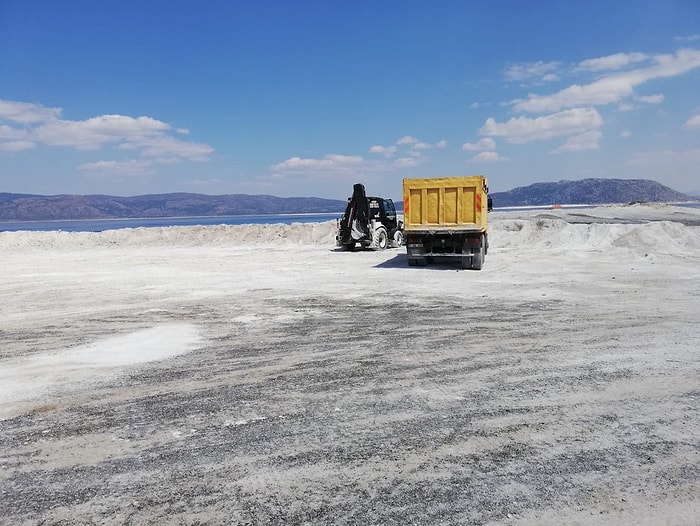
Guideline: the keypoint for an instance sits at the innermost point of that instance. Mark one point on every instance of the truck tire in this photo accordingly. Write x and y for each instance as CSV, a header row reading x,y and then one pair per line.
x,y
417,262
380,240
349,247
478,257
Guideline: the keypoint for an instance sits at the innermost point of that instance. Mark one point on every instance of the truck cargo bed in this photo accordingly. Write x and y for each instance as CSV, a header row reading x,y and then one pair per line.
x,y
446,203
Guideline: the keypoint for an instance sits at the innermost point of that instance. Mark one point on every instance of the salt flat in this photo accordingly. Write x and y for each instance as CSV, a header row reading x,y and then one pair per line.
x,y
256,375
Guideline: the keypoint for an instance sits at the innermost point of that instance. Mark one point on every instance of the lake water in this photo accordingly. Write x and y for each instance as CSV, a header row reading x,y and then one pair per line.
x,y
98,225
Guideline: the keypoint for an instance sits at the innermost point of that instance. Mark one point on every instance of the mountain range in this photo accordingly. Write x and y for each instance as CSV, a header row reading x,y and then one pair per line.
x,y
28,207
590,192
23,207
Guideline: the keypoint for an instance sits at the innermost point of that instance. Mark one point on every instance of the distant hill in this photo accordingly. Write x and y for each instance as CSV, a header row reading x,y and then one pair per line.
x,y
589,191
27,207
23,207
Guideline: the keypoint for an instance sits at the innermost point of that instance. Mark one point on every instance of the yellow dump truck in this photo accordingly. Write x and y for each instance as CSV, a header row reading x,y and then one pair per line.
x,y
446,217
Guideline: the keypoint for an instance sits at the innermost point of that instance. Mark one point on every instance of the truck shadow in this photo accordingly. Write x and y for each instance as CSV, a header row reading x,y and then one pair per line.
x,y
401,261
398,261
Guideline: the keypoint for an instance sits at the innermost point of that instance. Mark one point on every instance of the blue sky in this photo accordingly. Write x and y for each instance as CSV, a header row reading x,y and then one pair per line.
x,y
305,98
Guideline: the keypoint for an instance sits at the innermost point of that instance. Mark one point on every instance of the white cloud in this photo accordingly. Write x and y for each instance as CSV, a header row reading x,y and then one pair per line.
x,y
625,106
330,163
603,91
14,140
667,158
35,125
26,112
525,129
16,146
650,99
421,146
584,141
416,147
624,134
166,146
93,133
489,157
10,133
690,38
407,152
614,87
406,139
611,62
405,162
387,151
204,182
693,122
487,143
131,168
541,71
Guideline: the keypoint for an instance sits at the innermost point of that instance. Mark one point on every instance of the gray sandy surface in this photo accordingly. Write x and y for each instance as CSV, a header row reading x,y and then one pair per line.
x,y
559,385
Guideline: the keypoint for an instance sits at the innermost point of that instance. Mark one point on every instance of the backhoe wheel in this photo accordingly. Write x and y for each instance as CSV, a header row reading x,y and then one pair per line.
x,y
398,239
349,247
380,239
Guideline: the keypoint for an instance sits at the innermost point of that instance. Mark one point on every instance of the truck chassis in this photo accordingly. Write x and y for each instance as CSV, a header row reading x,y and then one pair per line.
x,y
470,248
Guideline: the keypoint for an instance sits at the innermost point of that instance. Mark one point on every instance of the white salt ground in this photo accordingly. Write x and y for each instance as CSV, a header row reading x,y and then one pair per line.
x,y
578,404
42,281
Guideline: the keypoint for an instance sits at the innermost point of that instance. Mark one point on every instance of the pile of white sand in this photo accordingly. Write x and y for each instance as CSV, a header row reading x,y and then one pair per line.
x,y
566,228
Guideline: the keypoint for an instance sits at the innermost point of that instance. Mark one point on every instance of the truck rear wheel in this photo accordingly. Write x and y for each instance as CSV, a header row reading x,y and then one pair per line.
x,y
478,257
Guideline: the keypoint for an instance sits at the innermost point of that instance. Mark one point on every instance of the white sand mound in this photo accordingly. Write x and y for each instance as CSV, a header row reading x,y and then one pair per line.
x,y
640,226
227,235
659,237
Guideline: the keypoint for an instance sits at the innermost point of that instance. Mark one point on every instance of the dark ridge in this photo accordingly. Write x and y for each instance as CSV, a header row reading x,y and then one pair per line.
x,y
591,192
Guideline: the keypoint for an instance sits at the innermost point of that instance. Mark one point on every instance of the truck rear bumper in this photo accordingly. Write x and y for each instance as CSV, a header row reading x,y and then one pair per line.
x,y
445,243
